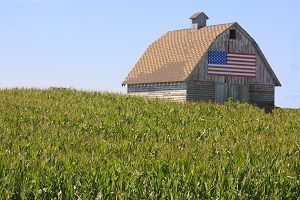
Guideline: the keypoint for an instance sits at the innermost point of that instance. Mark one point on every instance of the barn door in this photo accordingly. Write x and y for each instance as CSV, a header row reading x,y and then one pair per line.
x,y
237,92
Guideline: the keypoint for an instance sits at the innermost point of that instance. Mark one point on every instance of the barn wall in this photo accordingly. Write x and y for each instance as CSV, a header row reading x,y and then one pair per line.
x,y
237,92
242,44
239,88
262,95
200,91
171,91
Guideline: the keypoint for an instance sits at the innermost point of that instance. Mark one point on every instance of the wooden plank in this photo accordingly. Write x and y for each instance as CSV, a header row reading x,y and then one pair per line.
x,y
200,91
262,95
179,96
242,44
237,92
171,91
155,87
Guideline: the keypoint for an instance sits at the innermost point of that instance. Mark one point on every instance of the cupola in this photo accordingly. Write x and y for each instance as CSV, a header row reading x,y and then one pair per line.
x,y
198,20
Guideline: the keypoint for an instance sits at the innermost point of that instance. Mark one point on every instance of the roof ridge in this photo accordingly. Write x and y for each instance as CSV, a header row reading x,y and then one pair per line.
x,y
232,23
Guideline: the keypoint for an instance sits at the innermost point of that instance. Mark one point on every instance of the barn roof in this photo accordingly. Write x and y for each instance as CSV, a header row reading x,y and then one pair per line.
x,y
172,57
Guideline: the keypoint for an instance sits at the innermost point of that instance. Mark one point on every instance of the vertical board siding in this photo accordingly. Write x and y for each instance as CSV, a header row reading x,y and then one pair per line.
x,y
241,45
237,92
239,88
201,91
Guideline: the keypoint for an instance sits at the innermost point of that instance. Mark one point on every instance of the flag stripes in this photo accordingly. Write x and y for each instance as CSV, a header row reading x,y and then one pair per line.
x,y
231,64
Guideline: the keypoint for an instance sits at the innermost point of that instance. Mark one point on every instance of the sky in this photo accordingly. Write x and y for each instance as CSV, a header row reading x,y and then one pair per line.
x,y
93,44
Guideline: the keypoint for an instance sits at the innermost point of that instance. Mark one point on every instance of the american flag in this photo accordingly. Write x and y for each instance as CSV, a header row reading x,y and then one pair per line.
x,y
221,63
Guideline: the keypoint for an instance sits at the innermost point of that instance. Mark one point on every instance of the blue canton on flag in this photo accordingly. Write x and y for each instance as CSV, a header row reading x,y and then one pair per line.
x,y
217,57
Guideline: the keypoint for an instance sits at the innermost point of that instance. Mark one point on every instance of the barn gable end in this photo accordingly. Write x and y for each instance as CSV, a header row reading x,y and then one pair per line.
x,y
241,89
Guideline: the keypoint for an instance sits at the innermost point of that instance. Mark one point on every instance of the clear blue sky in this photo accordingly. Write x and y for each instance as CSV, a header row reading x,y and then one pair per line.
x,y
93,44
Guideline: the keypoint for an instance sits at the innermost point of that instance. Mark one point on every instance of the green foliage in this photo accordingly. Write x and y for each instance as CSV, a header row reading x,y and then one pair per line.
x,y
68,144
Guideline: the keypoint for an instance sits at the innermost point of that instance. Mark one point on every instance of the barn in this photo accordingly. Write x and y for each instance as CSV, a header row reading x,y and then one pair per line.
x,y
204,63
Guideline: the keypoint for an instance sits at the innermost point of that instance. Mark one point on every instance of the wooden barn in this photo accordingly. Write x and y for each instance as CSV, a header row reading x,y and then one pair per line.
x,y
204,63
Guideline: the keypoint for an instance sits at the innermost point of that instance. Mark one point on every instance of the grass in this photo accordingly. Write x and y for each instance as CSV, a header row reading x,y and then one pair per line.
x,y
68,144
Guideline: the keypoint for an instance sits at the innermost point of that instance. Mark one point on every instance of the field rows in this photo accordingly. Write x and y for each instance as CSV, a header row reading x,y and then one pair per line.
x,y
68,144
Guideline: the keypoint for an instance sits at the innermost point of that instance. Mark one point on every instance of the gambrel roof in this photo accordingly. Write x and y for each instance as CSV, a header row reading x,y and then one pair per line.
x,y
172,57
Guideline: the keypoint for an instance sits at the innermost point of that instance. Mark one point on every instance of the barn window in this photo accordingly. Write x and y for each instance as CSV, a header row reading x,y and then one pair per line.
x,y
232,34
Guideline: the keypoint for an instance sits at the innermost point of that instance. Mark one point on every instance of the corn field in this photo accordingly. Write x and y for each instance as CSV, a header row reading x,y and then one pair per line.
x,y
69,144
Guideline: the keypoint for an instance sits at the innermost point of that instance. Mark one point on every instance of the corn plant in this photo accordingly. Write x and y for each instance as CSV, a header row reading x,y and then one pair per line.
x,y
69,144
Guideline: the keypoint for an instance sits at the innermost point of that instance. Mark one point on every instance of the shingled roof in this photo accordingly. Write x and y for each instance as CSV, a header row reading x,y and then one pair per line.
x,y
173,56
194,16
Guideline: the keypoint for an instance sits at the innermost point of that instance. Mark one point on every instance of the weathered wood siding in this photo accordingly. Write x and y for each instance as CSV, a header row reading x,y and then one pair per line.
x,y
231,86
199,22
199,86
200,91
237,92
261,95
241,44
171,91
